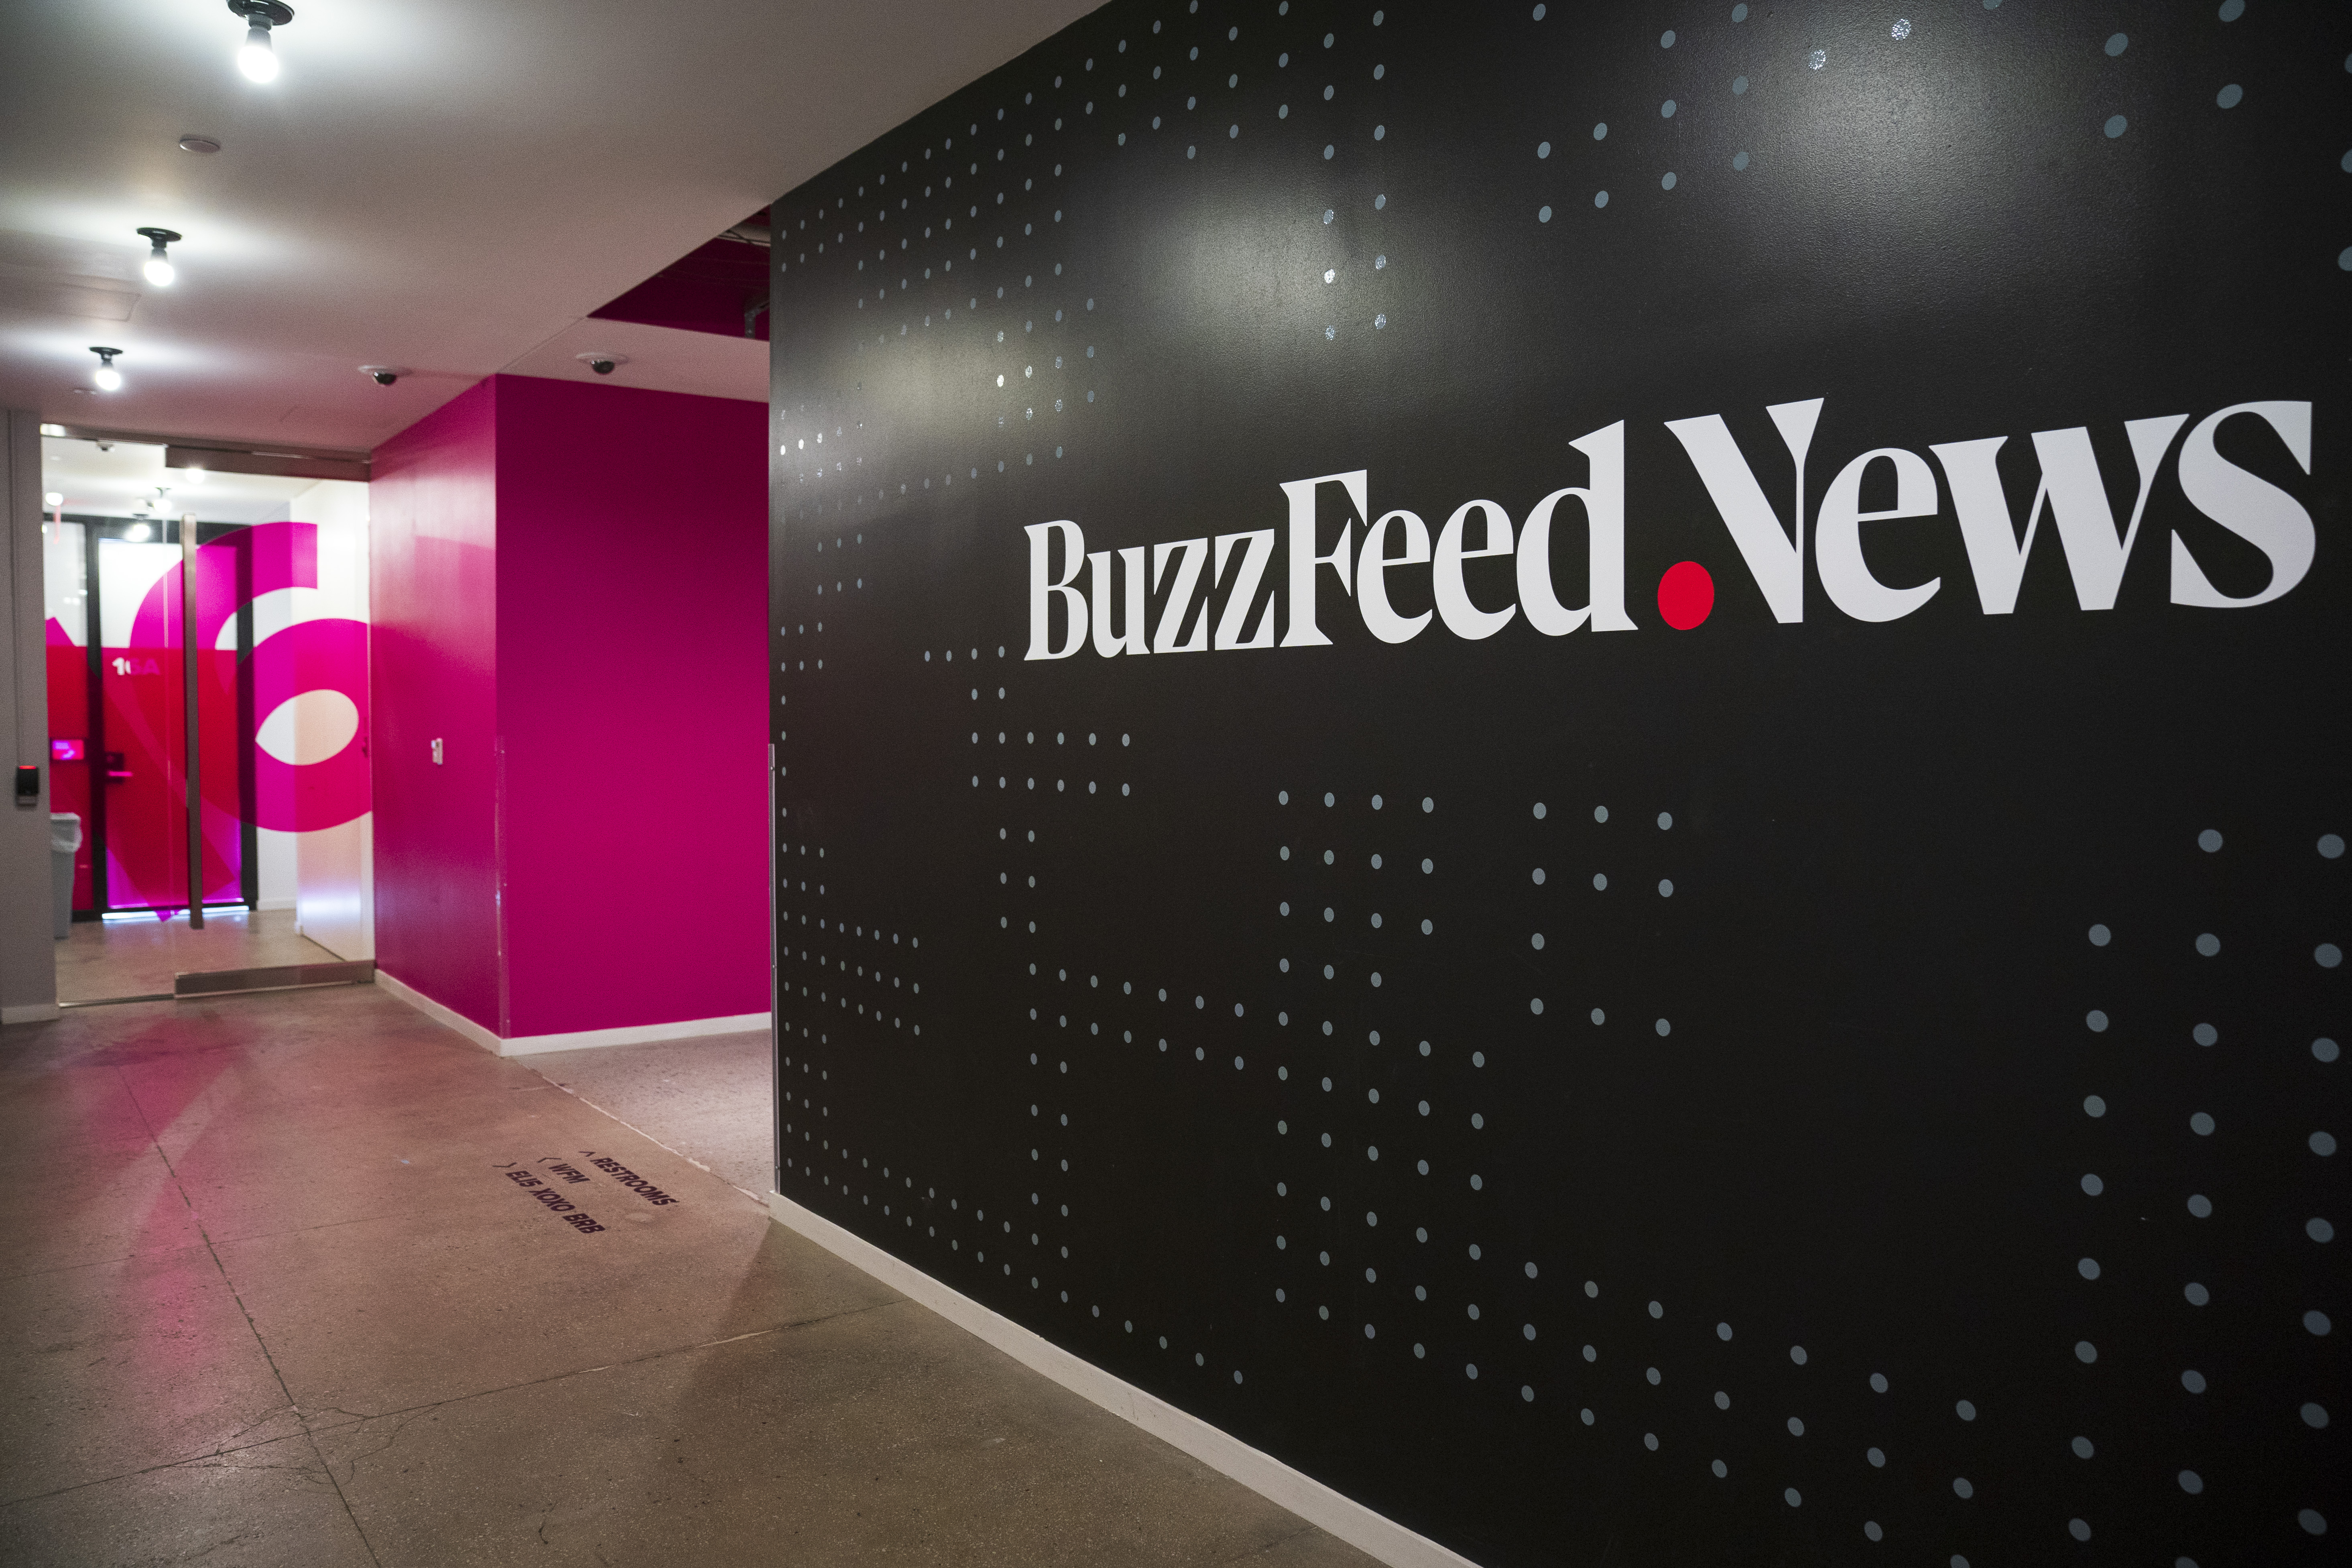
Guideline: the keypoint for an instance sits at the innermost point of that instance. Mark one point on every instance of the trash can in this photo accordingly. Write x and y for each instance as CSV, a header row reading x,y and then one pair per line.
x,y
65,839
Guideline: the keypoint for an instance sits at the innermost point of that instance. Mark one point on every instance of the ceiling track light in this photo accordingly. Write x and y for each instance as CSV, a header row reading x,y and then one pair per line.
x,y
256,58
108,378
159,269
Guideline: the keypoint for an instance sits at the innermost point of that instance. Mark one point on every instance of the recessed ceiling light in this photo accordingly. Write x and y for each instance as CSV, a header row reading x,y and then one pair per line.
x,y
256,58
198,144
159,269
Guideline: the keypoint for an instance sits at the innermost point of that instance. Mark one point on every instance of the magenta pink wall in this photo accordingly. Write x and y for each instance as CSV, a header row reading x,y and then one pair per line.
x,y
432,515
631,700
600,638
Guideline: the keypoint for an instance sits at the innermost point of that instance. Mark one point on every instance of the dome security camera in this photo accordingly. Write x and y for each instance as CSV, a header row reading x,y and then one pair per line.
x,y
381,374
600,361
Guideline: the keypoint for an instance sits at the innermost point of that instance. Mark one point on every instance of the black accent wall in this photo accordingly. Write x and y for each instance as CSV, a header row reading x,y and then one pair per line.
x,y
1828,1057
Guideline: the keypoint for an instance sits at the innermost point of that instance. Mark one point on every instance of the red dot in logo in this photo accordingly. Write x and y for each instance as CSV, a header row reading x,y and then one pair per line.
x,y
1686,594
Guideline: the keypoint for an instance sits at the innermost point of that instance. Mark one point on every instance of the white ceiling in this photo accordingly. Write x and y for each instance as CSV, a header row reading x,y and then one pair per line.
x,y
701,363
110,478
448,188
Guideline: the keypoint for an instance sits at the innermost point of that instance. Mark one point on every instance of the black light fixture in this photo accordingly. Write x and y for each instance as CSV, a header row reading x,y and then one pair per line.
x,y
159,269
108,378
256,58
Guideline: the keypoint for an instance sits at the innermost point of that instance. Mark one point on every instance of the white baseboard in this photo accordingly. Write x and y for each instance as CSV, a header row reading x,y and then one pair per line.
x,y
633,1035
31,1012
1350,1520
576,1040
448,1018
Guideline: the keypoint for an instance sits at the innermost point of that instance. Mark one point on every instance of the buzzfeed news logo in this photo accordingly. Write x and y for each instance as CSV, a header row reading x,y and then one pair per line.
x,y
1111,609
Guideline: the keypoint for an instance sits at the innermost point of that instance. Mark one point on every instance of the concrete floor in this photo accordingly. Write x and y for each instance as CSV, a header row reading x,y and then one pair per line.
x,y
708,1098
103,959
272,1297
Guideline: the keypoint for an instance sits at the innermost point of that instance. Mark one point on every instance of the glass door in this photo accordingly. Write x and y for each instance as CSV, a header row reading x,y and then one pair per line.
x,y
77,761
117,713
271,664
120,657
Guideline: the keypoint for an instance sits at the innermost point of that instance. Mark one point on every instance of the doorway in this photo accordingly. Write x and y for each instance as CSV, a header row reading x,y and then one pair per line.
x,y
172,891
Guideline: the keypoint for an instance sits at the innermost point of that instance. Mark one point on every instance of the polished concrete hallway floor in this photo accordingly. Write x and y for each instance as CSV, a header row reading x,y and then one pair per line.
x,y
273,1294
100,960
706,1098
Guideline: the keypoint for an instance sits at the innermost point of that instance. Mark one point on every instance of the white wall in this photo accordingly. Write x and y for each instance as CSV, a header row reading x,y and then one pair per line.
x,y
29,975
333,869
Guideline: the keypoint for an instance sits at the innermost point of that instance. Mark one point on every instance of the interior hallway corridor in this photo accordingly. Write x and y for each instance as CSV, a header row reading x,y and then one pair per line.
x,y
273,1295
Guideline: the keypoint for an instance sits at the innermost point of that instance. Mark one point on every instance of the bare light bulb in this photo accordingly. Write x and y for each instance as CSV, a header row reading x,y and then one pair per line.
x,y
137,534
159,269
109,379
191,476
256,58
53,500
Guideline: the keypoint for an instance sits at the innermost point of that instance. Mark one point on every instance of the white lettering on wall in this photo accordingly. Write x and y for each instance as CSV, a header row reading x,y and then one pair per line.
x,y
1775,555
1371,584
1603,495
2076,496
2254,508
1109,641
1237,604
1837,536
1180,597
1304,560
1044,589
2070,488
1463,619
